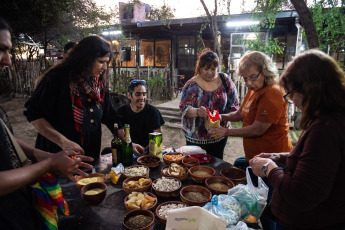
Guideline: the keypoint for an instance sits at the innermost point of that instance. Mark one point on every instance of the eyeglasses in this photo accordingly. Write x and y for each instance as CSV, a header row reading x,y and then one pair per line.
x,y
251,79
288,96
135,81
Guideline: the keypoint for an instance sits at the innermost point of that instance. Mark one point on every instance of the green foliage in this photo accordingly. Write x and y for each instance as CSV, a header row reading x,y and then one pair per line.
x,y
164,13
329,20
272,46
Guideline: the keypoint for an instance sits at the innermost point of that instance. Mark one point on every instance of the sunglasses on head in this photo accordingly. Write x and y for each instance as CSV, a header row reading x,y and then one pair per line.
x,y
138,81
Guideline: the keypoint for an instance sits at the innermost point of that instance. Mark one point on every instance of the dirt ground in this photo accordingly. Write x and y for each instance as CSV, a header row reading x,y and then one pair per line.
x,y
171,137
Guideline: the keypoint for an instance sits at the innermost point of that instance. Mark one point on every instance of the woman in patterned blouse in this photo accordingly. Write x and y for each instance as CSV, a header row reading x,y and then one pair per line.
x,y
211,90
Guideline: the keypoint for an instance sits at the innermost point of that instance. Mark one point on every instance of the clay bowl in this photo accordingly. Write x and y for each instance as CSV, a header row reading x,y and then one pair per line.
x,y
218,179
168,162
127,175
97,198
149,161
167,194
162,219
128,190
103,180
181,178
190,162
198,178
152,208
195,188
136,213
236,175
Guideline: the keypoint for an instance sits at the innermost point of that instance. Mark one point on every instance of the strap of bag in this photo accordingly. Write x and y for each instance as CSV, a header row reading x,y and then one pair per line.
x,y
20,153
222,77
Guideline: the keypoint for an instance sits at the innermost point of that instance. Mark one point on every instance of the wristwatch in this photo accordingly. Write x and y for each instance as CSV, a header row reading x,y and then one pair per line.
x,y
264,168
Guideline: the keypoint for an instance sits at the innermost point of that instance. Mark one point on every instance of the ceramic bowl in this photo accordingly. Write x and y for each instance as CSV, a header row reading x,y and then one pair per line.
x,y
162,219
181,178
129,190
218,179
201,178
136,213
236,175
152,208
190,162
149,161
167,194
97,198
168,161
195,188
127,175
100,175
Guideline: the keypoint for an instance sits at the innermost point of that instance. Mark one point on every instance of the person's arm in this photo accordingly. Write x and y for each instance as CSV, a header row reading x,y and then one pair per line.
x,y
232,116
45,129
278,158
196,112
257,162
59,163
257,129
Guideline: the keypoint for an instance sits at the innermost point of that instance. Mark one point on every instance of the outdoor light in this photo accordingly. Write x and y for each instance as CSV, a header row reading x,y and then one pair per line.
x,y
111,32
242,23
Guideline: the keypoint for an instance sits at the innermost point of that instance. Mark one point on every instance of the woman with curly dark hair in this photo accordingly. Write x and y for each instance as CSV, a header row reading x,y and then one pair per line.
x,y
309,193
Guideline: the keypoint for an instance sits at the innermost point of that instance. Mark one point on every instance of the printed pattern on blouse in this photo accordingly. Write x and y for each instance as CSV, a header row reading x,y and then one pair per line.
x,y
193,96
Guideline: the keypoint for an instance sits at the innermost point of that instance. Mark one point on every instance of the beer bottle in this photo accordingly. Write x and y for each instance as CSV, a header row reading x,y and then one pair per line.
x,y
116,146
127,148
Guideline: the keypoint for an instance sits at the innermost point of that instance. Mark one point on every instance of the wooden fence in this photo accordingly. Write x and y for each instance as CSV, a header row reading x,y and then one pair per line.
x,y
20,80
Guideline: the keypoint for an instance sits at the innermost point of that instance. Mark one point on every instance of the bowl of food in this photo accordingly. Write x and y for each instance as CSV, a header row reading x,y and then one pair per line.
x,y
92,178
190,162
94,193
236,175
162,209
136,184
173,157
166,187
200,172
174,170
136,170
195,195
138,200
219,184
139,219
149,161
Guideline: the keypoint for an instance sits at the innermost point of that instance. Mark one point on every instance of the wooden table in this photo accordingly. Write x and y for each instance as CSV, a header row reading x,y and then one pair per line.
x,y
110,213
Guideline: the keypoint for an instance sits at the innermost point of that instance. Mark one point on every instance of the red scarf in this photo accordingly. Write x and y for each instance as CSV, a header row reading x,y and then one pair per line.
x,y
93,89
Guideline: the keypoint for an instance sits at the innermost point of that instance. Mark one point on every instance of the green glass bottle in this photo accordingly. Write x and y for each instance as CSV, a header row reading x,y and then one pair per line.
x,y
127,148
116,146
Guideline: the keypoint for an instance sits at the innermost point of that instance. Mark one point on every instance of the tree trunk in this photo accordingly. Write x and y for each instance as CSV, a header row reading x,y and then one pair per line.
x,y
308,23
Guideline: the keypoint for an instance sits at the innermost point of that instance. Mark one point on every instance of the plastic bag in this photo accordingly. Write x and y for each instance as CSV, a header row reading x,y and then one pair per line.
x,y
213,120
227,215
252,199
191,149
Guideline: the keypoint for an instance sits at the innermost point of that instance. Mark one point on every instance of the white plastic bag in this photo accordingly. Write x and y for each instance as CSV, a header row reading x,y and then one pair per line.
x,y
252,199
191,149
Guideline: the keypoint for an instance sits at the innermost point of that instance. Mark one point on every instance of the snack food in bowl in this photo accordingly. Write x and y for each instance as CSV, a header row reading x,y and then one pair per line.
x,y
200,172
236,175
139,219
136,184
195,195
92,178
138,200
219,184
94,193
166,187
174,170
136,170
162,209
173,157
149,161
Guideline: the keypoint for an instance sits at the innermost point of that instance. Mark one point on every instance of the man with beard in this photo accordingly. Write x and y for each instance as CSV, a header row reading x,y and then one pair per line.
x,y
142,117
